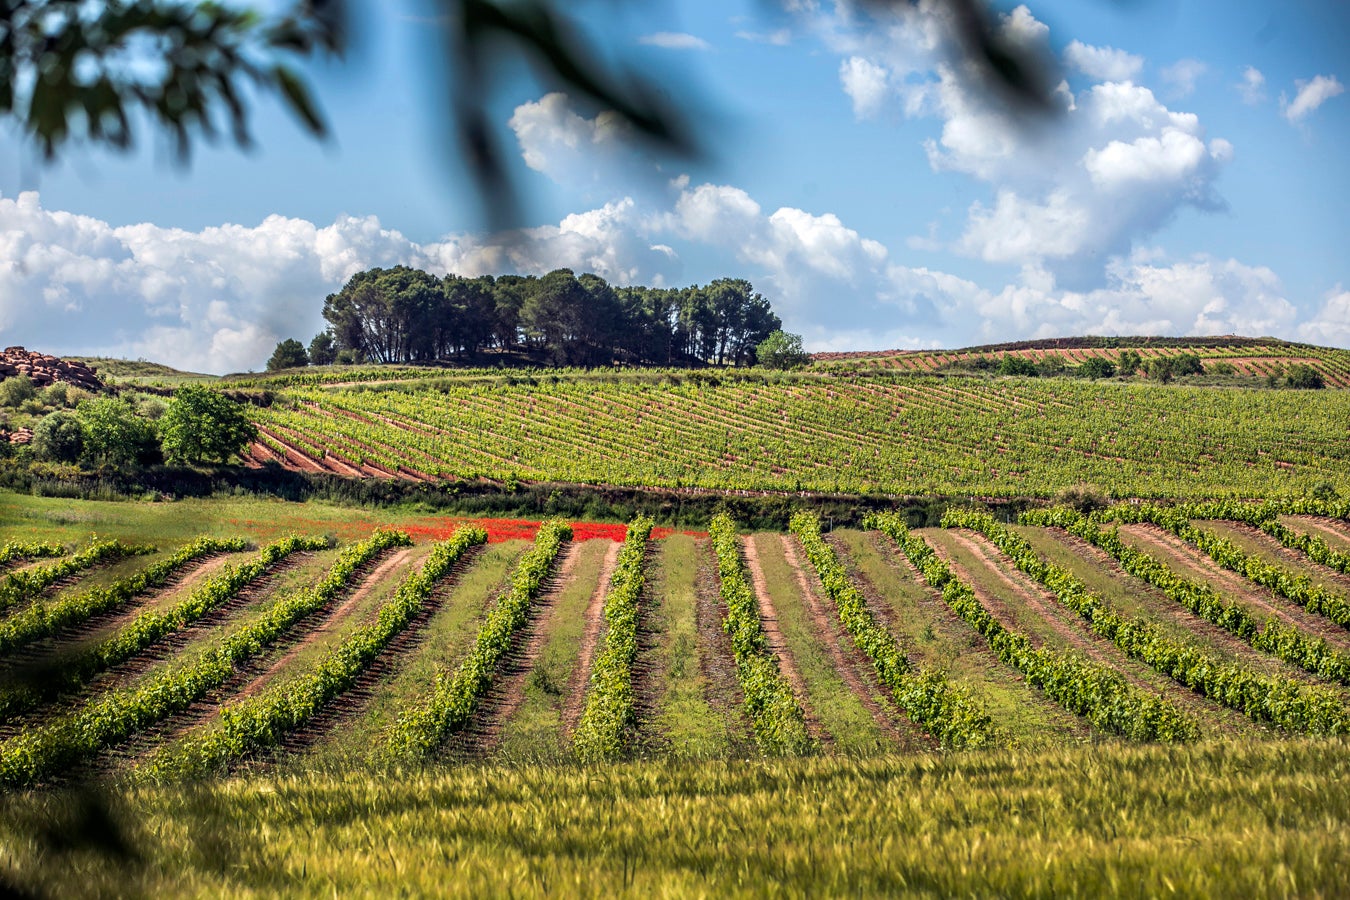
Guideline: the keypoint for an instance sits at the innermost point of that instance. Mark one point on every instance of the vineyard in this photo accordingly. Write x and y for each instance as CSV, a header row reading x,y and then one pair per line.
x,y
900,436
413,643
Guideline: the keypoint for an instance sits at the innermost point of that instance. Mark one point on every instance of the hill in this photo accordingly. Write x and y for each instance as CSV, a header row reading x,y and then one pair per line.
x,y
1248,358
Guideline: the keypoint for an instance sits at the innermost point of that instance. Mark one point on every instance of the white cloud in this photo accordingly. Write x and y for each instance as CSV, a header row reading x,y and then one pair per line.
x,y
1182,75
1311,95
673,40
556,140
1331,324
1103,63
1252,87
866,84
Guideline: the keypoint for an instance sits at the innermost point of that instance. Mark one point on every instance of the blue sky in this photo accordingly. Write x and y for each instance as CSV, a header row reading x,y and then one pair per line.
x,y
1194,183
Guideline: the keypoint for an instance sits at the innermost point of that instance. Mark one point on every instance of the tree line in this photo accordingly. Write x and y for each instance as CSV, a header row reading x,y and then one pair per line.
x,y
405,315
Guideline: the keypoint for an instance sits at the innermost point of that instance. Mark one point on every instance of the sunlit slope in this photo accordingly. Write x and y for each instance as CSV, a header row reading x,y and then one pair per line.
x,y
910,435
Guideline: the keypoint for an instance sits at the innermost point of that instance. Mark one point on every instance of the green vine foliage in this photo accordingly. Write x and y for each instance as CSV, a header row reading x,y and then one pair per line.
x,y
19,551
1286,642
1095,692
251,725
608,716
944,710
1292,586
42,618
28,583
777,719
40,753
1281,702
450,706
149,627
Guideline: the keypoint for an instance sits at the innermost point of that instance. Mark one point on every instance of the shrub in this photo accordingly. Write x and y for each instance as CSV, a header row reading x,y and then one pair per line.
x,y
59,437
14,391
1129,362
1017,365
1095,367
1304,377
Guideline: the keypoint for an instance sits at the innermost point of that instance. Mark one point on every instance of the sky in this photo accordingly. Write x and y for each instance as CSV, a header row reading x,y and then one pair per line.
x,y
1193,182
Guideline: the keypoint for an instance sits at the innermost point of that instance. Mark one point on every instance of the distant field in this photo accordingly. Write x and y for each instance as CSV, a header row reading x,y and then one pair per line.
x,y
955,436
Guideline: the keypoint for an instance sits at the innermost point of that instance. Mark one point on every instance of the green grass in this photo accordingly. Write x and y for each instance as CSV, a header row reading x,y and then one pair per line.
x,y
1086,822
935,637
685,724
848,724
534,732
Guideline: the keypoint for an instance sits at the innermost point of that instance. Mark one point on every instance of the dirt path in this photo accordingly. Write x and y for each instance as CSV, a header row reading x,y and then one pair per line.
x,y
1259,602
773,636
1099,650
332,621
1295,561
590,639
1334,532
716,658
849,662
484,734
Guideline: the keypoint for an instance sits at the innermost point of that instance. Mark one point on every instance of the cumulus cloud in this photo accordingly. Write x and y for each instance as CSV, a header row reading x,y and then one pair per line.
x,y
219,299
674,40
1310,95
866,84
1331,324
1103,63
561,143
1252,87
1182,75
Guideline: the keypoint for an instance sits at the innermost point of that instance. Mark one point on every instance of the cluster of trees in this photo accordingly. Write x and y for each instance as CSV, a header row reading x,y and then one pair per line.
x,y
197,425
404,315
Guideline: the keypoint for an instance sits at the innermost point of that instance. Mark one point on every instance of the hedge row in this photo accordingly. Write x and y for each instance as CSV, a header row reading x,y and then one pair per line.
x,y
26,584
609,701
148,627
775,716
1286,642
42,752
454,699
1281,702
1081,686
941,708
253,724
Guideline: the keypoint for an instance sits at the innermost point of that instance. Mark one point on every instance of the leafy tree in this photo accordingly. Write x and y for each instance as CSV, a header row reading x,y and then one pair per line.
x,y
58,437
1187,364
16,390
1304,377
114,433
1129,362
1051,364
322,350
1095,367
1159,368
1012,364
289,354
782,350
201,425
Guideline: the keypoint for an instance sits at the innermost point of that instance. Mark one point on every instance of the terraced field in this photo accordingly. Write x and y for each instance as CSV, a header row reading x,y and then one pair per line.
x,y
541,644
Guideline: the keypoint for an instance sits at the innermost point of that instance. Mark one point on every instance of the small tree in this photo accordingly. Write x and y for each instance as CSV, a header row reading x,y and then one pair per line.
x,y
1160,369
1095,367
290,354
14,391
1011,364
1304,377
1187,364
114,434
59,437
782,350
322,350
1130,362
1222,369
201,425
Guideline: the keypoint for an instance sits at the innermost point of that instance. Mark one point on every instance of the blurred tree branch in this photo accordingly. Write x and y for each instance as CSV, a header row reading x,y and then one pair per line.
x,y
75,71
